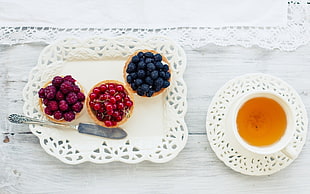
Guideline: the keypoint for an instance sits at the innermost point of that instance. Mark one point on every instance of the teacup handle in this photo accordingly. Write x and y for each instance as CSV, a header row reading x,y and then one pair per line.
x,y
289,152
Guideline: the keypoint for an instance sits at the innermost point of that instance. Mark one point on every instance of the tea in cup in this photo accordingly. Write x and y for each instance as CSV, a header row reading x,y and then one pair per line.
x,y
263,123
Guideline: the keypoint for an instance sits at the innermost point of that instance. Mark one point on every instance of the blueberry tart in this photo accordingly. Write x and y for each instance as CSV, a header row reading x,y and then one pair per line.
x,y
147,73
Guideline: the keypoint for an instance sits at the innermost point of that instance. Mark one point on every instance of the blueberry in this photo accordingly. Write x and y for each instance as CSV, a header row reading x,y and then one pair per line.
x,y
149,54
150,93
141,65
133,86
138,82
133,75
166,84
166,67
140,91
141,73
149,60
135,59
129,79
167,75
148,80
157,88
159,65
159,82
158,57
150,66
162,74
131,68
145,87
140,55
154,75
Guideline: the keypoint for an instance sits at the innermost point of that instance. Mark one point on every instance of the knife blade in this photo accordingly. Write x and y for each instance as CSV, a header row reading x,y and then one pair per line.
x,y
85,128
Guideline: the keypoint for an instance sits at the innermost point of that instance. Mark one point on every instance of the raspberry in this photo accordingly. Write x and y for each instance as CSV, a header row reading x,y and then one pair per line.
x,y
76,89
58,115
59,96
66,87
69,116
52,105
57,81
81,96
41,93
48,111
50,92
45,101
63,105
69,78
77,107
71,98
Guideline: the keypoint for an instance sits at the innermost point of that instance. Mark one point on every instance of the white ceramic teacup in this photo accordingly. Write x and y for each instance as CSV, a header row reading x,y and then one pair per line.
x,y
283,142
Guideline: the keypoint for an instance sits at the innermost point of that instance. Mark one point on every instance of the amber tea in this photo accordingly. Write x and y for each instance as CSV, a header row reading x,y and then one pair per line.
x,y
261,121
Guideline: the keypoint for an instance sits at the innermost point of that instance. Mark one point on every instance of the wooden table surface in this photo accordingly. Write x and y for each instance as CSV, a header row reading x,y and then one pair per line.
x,y
27,168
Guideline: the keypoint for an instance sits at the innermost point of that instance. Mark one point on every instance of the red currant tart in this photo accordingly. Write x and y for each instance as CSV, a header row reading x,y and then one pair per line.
x,y
147,73
62,99
110,103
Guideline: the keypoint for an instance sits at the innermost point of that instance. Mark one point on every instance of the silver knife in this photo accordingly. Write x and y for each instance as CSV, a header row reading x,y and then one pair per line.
x,y
86,128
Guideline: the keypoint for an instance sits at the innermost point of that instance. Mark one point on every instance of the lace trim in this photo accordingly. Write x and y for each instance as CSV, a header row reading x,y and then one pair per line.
x,y
295,34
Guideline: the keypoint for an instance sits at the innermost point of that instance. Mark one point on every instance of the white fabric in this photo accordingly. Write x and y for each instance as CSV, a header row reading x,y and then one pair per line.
x,y
142,13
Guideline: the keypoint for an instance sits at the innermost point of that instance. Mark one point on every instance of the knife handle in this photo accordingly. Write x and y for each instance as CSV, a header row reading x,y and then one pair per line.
x,y
21,119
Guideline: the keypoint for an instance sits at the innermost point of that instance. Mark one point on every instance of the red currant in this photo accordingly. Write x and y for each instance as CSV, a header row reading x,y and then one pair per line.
x,y
108,123
120,106
110,112
118,118
99,116
101,97
109,107
92,96
96,90
103,88
111,86
97,106
115,113
118,97
128,103
112,91
119,88
113,100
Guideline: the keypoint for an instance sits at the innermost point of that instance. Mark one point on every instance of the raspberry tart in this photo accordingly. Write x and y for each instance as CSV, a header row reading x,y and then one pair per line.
x,y
109,103
62,99
147,73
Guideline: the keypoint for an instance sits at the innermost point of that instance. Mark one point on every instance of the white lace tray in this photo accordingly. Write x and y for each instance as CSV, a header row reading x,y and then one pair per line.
x,y
156,131
224,144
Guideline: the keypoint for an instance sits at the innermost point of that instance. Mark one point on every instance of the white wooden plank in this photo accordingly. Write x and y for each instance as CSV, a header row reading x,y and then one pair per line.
x,y
27,168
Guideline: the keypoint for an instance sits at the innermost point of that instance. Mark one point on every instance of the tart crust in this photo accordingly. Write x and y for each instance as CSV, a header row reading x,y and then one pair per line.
x,y
164,59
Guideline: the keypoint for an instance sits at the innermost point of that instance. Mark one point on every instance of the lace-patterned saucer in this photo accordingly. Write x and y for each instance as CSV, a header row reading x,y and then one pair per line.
x,y
223,142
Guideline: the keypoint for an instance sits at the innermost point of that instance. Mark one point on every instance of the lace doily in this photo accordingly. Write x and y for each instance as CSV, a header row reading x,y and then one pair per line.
x,y
224,144
295,34
71,147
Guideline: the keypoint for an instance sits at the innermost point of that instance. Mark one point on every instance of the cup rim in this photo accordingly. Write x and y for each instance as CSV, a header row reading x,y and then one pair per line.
x,y
286,137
